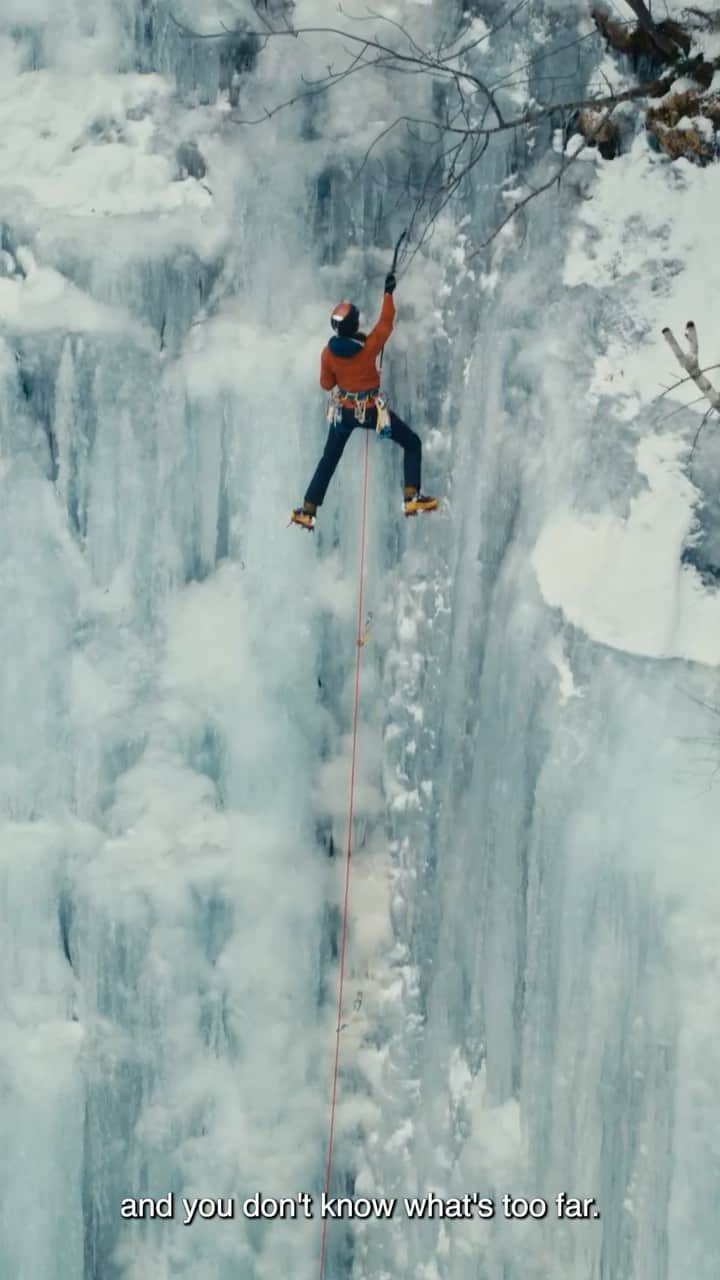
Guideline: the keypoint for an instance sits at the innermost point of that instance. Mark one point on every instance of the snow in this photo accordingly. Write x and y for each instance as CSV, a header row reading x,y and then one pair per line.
x,y
621,578
91,188
566,681
42,299
94,155
658,253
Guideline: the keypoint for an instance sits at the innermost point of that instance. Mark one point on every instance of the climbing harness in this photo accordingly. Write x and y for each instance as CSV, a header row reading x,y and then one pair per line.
x,y
358,401
348,847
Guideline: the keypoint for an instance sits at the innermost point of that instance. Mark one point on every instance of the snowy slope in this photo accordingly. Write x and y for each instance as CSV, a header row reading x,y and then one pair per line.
x,y
646,237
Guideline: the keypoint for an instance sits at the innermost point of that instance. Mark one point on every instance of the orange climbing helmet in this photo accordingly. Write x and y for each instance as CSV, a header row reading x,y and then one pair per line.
x,y
345,319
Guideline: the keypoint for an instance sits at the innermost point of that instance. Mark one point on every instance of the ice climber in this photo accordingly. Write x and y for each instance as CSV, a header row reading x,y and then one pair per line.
x,y
348,370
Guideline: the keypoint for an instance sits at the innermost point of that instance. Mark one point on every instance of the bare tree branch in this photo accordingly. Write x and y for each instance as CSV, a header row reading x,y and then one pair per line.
x,y
681,382
680,409
689,361
644,17
555,180
469,113
705,417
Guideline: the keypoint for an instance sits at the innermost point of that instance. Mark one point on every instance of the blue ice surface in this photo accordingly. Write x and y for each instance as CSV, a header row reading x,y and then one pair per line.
x,y
532,941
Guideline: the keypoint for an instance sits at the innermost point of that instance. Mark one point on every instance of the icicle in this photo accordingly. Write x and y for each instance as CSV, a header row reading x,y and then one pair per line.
x,y
64,420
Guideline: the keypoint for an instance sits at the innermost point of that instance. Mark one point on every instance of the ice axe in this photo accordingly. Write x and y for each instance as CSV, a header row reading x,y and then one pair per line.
x,y
401,237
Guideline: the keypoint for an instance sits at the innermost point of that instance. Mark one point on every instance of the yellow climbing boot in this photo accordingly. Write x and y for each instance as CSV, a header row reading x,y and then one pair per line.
x,y
304,516
415,502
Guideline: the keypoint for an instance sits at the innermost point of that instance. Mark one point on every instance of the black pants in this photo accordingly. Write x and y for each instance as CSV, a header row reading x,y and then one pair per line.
x,y
338,437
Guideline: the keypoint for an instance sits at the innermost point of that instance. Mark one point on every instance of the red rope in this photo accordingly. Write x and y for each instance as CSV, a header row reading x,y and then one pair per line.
x,y
348,847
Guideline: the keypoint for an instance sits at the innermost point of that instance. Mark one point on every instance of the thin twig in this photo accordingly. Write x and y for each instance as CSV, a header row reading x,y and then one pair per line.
x,y
707,369
705,417
680,409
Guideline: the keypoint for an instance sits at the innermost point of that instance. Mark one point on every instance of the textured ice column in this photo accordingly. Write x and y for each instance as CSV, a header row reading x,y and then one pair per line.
x,y
41,1037
42,1085
560,924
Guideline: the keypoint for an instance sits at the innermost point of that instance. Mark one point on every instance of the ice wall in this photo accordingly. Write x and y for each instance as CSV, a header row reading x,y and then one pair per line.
x,y
549,783
163,893
532,935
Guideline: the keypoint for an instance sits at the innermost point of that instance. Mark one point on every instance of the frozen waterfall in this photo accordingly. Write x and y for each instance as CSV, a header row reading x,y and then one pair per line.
x,y
534,930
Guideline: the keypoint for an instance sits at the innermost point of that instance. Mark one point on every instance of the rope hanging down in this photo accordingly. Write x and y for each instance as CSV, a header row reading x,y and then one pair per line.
x,y
348,846
360,637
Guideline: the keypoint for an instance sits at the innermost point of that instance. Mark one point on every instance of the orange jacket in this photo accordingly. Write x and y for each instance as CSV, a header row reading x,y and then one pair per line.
x,y
357,371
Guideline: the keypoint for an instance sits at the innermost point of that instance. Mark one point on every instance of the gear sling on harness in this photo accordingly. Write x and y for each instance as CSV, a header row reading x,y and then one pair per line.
x,y
360,402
